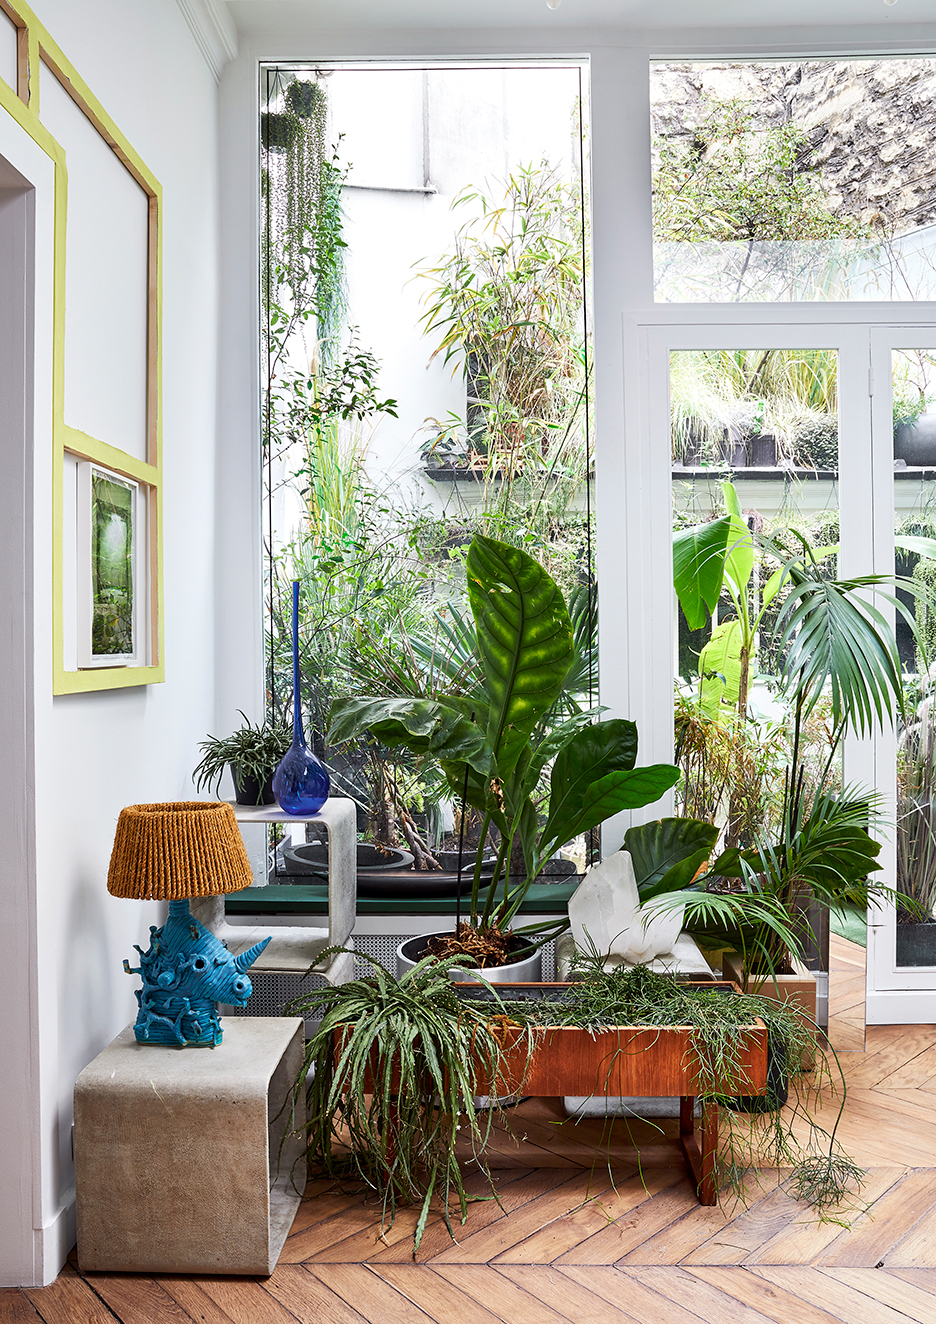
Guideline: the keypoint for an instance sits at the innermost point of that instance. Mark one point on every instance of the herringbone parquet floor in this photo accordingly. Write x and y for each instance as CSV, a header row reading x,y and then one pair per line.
x,y
573,1244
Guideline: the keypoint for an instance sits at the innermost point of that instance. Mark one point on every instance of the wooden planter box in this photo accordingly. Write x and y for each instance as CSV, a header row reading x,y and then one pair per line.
x,y
637,1061
798,989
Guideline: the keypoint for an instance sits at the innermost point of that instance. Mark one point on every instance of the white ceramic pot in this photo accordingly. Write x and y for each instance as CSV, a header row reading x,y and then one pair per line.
x,y
527,971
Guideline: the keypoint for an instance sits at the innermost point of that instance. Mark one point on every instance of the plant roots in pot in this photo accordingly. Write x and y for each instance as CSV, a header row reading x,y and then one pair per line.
x,y
525,968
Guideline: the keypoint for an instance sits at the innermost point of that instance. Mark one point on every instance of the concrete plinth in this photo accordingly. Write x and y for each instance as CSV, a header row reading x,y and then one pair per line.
x,y
177,1152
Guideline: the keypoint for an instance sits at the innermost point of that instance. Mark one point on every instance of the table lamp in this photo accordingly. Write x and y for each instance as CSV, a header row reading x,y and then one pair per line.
x,y
170,852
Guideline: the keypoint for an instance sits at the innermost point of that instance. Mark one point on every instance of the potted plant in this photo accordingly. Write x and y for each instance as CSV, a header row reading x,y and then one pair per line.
x,y
252,753
538,777
388,1070
838,648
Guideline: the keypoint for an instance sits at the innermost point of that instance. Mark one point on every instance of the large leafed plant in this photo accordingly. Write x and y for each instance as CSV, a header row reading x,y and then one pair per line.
x,y
504,748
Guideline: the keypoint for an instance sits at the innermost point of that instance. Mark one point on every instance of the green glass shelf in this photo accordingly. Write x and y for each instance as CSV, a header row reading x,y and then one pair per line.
x,y
312,899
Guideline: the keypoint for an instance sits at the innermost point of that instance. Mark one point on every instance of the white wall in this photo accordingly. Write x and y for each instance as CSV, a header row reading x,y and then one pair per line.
x,y
97,752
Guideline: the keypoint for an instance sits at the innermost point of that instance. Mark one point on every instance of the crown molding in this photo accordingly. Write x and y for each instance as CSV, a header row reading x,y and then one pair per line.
x,y
213,29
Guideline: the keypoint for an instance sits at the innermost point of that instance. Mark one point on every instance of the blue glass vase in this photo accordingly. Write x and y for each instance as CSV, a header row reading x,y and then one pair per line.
x,y
300,782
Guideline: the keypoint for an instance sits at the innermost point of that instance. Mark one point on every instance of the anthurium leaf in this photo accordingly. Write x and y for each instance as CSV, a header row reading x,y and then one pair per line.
x,y
698,567
720,670
594,776
423,726
739,561
525,641
668,852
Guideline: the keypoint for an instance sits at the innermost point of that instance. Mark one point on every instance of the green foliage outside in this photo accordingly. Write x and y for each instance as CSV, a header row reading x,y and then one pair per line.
x,y
734,180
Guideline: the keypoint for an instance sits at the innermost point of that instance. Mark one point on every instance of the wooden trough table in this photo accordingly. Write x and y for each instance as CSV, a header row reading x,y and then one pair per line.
x,y
636,1061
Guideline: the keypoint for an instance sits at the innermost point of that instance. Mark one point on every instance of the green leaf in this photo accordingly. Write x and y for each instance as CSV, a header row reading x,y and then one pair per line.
x,y
720,670
667,853
594,777
525,641
739,561
921,546
423,726
698,568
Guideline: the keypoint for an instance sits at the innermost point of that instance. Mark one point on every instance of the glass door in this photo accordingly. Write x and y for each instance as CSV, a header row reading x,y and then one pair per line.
x,y
902,950
770,424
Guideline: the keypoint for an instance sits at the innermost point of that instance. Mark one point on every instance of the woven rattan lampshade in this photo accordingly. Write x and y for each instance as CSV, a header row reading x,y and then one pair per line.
x,y
164,852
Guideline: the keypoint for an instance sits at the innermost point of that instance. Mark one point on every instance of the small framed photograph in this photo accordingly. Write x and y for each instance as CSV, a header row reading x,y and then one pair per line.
x,y
110,515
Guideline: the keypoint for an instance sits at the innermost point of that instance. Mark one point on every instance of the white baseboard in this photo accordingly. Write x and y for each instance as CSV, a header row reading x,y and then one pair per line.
x,y
901,1006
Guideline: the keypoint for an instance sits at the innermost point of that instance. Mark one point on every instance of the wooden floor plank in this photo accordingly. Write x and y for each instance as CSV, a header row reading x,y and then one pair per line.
x,y
245,1301
363,1289
841,1301
772,1301
69,1300
694,1294
566,1291
806,1239
309,1299
644,1207
496,1293
441,1299
563,1235
16,1308
746,1231
917,1249
880,1232
320,1237
630,1292
135,1299
513,1195
530,1218
912,1301
925,1279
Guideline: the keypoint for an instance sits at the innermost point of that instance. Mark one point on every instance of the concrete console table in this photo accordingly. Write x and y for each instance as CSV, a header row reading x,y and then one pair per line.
x,y
297,947
178,1166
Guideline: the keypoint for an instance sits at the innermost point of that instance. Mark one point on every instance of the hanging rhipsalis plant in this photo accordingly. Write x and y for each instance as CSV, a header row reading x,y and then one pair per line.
x,y
539,779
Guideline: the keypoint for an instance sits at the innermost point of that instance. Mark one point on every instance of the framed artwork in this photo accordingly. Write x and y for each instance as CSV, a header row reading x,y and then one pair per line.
x,y
111,511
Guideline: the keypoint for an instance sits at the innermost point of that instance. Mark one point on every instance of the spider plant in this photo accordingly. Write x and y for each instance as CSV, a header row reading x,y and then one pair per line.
x,y
387,1075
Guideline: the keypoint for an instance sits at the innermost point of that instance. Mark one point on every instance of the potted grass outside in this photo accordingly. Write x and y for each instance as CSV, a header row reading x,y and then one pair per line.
x,y
539,776
252,753
392,1062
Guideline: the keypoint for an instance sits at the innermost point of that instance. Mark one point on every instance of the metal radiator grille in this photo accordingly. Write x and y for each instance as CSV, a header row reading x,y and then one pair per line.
x,y
271,993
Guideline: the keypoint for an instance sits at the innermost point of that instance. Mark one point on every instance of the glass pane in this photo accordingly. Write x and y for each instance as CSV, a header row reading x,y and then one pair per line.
x,y
759,428
914,395
426,372
779,181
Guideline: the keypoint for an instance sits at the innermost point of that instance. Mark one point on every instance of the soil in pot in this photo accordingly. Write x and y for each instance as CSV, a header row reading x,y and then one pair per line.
x,y
525,965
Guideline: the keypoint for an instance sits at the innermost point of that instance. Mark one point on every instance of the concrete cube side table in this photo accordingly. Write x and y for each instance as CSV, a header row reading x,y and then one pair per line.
x,y
177,1152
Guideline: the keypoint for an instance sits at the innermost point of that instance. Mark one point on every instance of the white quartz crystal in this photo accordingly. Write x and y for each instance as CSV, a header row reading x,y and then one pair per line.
x,y
606,915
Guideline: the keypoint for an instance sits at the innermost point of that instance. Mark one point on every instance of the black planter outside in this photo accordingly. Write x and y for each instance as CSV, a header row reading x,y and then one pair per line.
x,y
915,443
916,943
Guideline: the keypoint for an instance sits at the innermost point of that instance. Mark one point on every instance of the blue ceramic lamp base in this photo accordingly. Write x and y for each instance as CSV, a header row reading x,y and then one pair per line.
x,y
186,971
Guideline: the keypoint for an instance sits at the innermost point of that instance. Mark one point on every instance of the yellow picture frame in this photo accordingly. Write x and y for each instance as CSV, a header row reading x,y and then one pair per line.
x,y
35,48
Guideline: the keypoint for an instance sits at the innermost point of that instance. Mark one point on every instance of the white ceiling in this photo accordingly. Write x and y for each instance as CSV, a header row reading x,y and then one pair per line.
x,y
253,16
